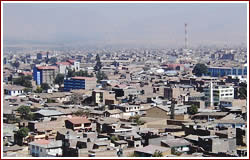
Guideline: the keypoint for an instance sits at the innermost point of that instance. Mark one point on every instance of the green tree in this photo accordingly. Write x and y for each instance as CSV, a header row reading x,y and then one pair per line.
x,y
51,100
39,90
100,76
27,90
136,119
98,64
45,86
22,132
193,109
23,81
30,116
200,69
23,110
114,138
243,91
76,98
157,154
59,79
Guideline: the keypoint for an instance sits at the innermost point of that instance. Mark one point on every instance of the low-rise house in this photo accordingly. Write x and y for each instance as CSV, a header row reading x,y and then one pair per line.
x,y
128,110
149,150
47,114
159,111
45,148
78,123
177,145
209,115
133,139
13,90
116,113
8,151
121,144
215,144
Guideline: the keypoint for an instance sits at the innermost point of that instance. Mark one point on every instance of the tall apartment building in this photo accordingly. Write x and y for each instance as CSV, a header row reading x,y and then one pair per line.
x,y
45,74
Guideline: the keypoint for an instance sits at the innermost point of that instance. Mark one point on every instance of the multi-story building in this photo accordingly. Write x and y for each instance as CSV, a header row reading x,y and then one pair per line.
x,y
45,74
214,94
69,64
79,83
225,71
104,97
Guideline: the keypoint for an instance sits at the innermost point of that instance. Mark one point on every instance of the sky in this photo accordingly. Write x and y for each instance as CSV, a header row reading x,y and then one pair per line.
x,y
126,24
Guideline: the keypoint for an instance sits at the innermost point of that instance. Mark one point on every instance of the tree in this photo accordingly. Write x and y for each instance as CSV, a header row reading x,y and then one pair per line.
x,y
23,81
53,60
243,91
114,138
51,100
98,64
27,90
39,90
23,132
45,86
100,76
200,69
23,110
59,79
193,109
157,154
82,113
76,98
136,119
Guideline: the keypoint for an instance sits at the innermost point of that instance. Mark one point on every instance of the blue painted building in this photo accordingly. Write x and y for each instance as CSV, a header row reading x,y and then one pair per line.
x,y
74,83
225,71
44,74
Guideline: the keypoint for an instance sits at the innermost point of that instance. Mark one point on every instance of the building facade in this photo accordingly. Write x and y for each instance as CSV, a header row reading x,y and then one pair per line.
x,y
225,71
214,94
79,83
45,74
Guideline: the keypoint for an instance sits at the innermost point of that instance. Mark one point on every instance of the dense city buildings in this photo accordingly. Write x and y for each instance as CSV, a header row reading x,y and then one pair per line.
x,y
78,100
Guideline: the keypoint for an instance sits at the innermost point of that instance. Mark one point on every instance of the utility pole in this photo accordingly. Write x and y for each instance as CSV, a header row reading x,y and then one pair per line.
x,y
186,38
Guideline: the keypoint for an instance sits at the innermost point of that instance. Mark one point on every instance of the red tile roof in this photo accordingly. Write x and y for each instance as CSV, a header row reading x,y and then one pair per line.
x,y
71,61
26,73
79,120
46,67
42,141
63,63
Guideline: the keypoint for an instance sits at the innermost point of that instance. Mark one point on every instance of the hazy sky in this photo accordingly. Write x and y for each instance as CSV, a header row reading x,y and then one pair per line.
x,y
125,24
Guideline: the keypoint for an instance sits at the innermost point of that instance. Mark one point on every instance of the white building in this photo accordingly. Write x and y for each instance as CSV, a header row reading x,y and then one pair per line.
x,y
214,94
45,148
13,90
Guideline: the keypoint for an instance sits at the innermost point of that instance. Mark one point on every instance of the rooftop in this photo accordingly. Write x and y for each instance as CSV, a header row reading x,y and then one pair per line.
x,y
78,120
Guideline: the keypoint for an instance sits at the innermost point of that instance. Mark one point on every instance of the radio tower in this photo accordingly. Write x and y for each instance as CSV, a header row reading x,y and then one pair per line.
x,y
186,42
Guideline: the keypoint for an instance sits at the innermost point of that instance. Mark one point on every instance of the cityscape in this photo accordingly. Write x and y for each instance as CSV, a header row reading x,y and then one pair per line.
x,y
111,84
